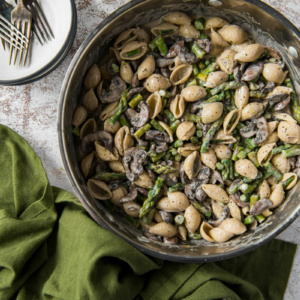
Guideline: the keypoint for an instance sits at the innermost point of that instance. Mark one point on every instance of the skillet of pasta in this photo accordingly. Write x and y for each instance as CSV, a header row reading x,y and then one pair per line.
x,y
189,129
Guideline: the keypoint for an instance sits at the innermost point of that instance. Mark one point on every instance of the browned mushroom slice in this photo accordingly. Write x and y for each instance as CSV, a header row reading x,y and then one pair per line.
x,y
158,136
277,97
138,119
116,88
262,133
283,104
190,189
205,44
253,71
260,206
236,199
105,137
164,62
132,195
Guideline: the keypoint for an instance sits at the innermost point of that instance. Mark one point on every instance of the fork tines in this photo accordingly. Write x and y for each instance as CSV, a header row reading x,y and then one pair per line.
x,y
41,27
12,35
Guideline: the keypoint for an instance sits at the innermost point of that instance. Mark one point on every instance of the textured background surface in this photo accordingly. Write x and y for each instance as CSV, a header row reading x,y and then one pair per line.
x,y
31,110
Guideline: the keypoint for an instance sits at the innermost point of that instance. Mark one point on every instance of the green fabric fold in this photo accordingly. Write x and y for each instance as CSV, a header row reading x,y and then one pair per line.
x,y
51,249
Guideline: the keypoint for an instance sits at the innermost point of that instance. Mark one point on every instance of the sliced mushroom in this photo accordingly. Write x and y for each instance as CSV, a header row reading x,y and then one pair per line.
x,y
260,206
105,137
138,119
132,195
178,49
158,136
190,189
253,71
258,127
116,88
205,44
236,199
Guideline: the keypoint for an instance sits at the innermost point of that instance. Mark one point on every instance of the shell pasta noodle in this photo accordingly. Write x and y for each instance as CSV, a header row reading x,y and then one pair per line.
x,y
189,129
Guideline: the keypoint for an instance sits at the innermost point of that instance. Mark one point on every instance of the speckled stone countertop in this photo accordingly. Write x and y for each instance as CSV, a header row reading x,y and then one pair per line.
x,y
31,110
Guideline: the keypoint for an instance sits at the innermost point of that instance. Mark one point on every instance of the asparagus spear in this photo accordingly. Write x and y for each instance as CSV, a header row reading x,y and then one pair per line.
x,y
160,169
147,219
198,51
199,24
294,101
164,93
192,118
174,125
287,182
156,125
225,86
161,45
211,133
124,121
105,176
280,148
273,171
152,195
176,187
142,130
259,218
135,100
179,220
235,186
169,115
178,143
158,156
215,98
249,220
293,151
121,108
253,158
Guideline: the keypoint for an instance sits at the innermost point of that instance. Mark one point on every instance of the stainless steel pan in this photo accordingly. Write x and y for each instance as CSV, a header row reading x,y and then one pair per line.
x,y
266,25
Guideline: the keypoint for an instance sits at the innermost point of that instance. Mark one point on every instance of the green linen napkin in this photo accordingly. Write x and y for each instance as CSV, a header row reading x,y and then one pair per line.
x,y
51,249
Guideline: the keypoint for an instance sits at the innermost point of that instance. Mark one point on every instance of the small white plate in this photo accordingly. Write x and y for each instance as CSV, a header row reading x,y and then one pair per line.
x,y
62,18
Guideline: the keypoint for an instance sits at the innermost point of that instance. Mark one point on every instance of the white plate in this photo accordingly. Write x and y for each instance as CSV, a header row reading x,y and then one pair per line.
x,y
61,15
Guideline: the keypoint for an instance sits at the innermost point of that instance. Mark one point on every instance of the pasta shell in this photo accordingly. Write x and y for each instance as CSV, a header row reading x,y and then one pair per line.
x,y
264,153
146,68
164,229
178,201
288,132
177,18
109,111
281,163
92,77
117,195
165,29
215,192
187,149
233,34
246,168
112,128
231,120
287,176
193,93
211,112
126,72
88,127
177,62
99,189
182,232
217,40
272,126
277,195
209,158
140,47
79,116
185,131
117,166
222,152
144,181
215,22
214,79
226,61
165,205
123,140
192,165
156,82
142,35
155,104
86,164
189,31
233,226
241,96
224,138
235,211
219,235
167,129
279,90
250,53
285,117
177,106
205,229
105,154
125,37
274,73
192,219
90,100
181,74
115,53
272,138
251,110
132,209
264,190
217,209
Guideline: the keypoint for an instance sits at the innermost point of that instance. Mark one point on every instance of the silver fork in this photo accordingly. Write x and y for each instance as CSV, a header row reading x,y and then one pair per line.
x,y
41,27
20,16
5,11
